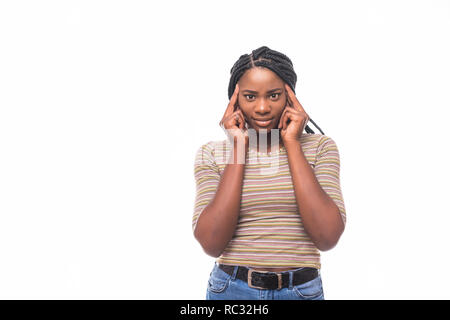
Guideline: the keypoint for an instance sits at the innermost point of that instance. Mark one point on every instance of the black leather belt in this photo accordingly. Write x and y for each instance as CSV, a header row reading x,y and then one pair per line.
x,y
271,280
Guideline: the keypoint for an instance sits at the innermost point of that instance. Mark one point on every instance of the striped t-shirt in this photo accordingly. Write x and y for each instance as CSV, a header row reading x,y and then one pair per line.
x,y
269,232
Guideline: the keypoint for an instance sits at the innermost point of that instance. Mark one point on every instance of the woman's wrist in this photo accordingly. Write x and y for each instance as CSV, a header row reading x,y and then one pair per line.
x,y
288,143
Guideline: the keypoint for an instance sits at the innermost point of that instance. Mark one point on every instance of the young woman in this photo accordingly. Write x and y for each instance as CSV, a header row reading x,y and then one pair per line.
x,y
268,197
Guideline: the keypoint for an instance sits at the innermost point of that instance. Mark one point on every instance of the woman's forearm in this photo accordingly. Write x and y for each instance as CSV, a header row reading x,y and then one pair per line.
x,y
217,223
320,215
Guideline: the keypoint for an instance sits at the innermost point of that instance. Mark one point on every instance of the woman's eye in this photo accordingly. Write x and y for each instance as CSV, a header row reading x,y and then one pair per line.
x,y
251,96
276,94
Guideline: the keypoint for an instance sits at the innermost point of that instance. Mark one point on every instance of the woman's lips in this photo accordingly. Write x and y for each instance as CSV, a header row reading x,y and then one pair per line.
x,y
263,123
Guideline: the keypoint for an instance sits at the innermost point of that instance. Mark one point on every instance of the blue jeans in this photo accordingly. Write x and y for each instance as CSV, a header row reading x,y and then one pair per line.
x,y
222,286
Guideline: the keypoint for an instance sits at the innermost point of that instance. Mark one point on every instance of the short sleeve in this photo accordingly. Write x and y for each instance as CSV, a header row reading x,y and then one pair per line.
x,y
207,178
327,171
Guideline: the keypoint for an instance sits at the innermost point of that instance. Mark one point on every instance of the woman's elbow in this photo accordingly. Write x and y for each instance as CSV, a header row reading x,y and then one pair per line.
x,y
208,246
211,250
325,246
331,241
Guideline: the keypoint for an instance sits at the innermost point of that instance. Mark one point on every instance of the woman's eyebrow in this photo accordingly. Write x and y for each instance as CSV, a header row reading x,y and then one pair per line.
x,y
251,91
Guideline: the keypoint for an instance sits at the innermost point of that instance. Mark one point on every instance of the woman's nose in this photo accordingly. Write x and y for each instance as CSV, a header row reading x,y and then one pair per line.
x,y
263,107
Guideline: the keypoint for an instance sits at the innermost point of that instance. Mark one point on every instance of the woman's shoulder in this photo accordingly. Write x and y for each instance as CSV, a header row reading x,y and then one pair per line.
x,y
315,137
212,145
214,149
316,141
312,143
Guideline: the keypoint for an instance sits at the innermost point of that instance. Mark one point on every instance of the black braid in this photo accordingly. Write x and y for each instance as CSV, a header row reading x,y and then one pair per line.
x,y
271,59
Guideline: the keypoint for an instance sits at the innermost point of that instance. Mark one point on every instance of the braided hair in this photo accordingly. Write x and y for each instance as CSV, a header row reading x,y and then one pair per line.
x,y
271,59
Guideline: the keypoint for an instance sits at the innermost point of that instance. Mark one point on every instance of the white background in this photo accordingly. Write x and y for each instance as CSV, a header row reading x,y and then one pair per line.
x,y
104,104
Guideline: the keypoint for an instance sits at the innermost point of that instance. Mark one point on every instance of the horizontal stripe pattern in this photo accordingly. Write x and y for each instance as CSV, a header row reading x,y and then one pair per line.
x,y
269,232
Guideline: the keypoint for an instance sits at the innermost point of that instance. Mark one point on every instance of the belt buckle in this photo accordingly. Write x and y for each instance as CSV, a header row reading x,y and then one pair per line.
x,y
280,281
249,279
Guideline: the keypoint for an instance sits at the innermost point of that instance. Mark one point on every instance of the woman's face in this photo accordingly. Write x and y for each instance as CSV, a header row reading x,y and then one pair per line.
x,y
262,98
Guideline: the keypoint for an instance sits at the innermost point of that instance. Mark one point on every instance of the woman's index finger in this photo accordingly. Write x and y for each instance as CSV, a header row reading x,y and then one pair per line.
x,y
233,99
293,98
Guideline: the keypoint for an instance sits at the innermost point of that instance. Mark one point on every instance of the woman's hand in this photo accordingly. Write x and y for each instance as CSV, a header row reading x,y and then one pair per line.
x,y
233,121
293,119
